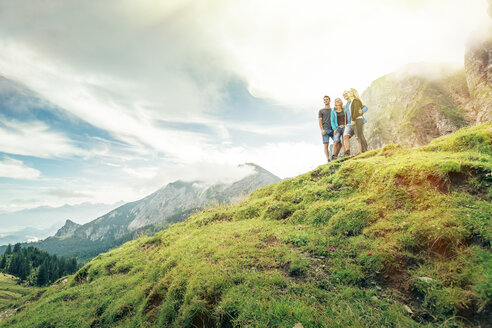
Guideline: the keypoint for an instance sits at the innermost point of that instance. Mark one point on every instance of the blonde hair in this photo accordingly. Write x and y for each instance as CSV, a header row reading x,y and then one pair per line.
x,y
341,106
355,94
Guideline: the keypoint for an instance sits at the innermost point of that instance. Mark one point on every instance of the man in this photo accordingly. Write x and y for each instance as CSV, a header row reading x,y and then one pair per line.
x,y
324,119
349,129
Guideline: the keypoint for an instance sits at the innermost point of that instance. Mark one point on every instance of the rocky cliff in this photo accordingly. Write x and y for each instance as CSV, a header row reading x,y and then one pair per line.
x,y
478,67
423,101
68,228
417,104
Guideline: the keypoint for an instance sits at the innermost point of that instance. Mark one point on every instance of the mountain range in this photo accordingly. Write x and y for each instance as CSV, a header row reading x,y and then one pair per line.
x,y
170,204
41,222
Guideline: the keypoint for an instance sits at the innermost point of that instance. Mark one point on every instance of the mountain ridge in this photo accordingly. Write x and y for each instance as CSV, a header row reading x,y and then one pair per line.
x,y
171,203
68,228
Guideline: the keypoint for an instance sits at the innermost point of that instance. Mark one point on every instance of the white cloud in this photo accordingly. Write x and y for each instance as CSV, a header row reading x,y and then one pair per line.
x,y
15,169
173,60
284,159
66,193
34,139
125,66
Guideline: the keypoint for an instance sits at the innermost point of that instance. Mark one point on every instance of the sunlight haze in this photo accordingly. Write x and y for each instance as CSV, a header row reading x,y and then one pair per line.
x,y
132,95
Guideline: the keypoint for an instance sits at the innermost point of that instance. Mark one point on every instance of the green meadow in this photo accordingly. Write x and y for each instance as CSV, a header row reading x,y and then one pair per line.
x,y
10,291
394,237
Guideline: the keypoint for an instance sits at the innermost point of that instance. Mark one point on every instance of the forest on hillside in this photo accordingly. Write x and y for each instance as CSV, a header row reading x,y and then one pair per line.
x,y
34,266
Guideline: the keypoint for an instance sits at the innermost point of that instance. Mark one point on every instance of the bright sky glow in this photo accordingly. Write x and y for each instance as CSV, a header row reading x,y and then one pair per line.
x,y
110,100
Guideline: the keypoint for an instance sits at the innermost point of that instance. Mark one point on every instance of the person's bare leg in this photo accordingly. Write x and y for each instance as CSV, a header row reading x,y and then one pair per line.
x,y
346,144
336,149
327,153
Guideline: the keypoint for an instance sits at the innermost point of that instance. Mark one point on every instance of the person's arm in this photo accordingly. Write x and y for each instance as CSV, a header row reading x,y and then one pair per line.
x,y
346,110
320,119
334,121
364,109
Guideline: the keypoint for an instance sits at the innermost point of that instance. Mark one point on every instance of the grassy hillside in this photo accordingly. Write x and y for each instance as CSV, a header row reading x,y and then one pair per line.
x,y
392,238
10,291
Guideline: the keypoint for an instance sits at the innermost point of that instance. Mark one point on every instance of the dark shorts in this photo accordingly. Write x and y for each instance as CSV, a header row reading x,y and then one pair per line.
x,y
327,136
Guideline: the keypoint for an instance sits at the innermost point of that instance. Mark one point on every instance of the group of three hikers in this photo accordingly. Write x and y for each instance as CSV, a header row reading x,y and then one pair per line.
x,y
341,123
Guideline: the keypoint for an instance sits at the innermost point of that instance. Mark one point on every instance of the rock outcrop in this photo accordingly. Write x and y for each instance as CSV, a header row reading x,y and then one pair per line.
x,y
478,67
424,101
416,104
68,228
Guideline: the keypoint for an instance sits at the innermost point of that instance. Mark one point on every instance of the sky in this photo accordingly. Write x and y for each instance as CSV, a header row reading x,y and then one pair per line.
x,y
103,101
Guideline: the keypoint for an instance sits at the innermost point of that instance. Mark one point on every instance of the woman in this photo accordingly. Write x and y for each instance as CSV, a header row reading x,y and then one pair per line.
x,y
337,124
357,118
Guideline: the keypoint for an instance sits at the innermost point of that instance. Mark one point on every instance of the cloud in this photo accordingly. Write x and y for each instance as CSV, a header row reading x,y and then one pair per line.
x,y
15,169
296,51
207,172
127,66
65,193
173,61
147,63
285,159
35,138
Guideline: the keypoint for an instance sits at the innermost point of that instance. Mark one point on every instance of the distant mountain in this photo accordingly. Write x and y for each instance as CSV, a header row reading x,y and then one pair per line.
x,y
28,234
170,204
44,217
171,200
68,228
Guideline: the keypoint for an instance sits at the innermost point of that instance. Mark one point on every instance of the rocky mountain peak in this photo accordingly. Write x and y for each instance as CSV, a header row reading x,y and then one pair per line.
x,y
68,228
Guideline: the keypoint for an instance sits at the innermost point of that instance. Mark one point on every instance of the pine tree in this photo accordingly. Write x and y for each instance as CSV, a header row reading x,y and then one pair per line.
x,y
8,251
48,268
13,266
24,268
42,277
73,265
17,248
3,262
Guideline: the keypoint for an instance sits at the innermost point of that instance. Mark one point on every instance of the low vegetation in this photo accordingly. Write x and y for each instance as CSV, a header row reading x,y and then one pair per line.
x,y
11,290
395,237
